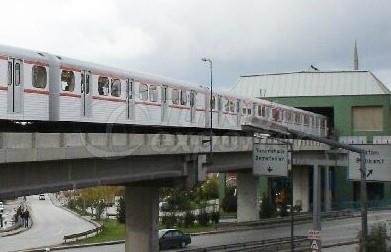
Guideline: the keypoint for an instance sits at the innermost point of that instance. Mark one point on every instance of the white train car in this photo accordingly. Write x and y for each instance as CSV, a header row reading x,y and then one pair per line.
x,y
37,86
24,86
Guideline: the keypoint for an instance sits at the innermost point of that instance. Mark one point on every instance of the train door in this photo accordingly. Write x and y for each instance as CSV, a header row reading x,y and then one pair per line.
x,y
164,103
130,99
220,108
192,105
85,91
15,85
238,112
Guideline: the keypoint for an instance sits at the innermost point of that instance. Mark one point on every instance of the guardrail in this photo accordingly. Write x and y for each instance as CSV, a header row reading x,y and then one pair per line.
x,y
273,244
83,234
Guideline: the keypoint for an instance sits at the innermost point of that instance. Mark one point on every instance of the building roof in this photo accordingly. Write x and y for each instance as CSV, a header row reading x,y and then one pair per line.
x,y
311,83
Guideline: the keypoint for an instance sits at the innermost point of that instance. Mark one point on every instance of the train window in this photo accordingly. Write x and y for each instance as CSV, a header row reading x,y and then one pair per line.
x,y
17,74
259,110
116,87
275,114
192,99
183,97
306,120
213,102
244,111
9,73
231,106
67,81
143,90
87,83
226,106
153,94
219,104
175,96
39,77
317,123
103,85
249,111
289,116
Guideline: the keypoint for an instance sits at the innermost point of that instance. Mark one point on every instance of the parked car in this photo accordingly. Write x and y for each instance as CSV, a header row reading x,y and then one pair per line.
x,y
42,196
172,238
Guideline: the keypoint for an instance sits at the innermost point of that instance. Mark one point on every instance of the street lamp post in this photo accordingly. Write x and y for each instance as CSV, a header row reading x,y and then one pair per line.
x,y
210,102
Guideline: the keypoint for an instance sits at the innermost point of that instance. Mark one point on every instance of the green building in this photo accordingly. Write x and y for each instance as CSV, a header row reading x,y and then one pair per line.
x,y
358,107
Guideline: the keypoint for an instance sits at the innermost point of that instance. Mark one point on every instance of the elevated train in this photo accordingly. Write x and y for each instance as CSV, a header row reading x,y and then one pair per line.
x,y
38,86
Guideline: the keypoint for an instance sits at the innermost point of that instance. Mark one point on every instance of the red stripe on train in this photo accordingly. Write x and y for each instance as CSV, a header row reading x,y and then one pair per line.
x,y
179,106
3,57
70,69
148,103
35,91
70,95
108,99
4,88
33,62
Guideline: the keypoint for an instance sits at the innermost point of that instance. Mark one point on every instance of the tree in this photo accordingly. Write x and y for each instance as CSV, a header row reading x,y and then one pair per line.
x,y
377,239
229,203
121,210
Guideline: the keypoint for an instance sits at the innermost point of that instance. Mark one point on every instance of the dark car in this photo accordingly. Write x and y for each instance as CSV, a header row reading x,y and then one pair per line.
x,y
170,238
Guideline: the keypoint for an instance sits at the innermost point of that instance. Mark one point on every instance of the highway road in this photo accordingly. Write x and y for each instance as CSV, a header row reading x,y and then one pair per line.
x,y
332,231
50,225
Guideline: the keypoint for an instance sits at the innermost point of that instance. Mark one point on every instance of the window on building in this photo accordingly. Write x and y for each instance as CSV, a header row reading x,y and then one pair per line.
x,y
175,96
67,80
143,91
368,118
40,77
153,94
183,97
116,87
103,85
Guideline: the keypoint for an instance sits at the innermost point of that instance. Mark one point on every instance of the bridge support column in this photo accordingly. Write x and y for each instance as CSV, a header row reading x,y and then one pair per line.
x,y
248,207
300,187
142,219
327,192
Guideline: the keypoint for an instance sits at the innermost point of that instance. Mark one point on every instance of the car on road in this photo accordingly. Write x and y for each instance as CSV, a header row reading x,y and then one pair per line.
x,y
42,196
173,238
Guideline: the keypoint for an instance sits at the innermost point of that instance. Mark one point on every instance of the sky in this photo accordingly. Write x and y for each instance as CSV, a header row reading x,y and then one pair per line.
x,y
169,37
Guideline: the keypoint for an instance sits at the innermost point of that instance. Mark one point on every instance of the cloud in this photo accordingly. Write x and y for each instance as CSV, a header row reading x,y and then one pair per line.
x,y
169,37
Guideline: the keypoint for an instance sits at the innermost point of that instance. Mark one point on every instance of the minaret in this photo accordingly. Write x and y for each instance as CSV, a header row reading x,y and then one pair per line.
x,y
355,57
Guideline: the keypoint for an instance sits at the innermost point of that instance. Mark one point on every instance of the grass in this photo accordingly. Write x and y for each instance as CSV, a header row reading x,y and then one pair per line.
x,y
115,231
112,231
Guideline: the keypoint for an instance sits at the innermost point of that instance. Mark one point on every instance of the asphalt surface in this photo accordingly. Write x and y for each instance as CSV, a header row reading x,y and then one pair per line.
x,y
50,225
332,231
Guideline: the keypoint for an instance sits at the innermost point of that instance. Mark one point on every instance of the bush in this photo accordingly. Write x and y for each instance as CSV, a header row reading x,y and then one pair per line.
x,y
215,217
229,203
99,208
377,239
169,221
267,208
121,210
189,219
203,218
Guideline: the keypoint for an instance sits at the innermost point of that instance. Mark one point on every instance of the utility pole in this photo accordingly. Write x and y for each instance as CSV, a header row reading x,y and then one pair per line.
x,y
364,203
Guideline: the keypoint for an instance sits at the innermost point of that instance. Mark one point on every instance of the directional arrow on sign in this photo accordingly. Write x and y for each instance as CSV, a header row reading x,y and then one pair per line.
x,y
370,172
269,169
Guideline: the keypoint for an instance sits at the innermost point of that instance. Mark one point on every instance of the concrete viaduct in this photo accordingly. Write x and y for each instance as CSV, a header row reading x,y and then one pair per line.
x,y
32,163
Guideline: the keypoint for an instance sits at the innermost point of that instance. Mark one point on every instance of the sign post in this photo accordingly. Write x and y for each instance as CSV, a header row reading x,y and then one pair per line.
x,y
314,237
